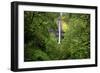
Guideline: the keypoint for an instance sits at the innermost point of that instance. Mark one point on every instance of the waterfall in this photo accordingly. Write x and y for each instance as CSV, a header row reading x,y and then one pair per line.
x,y
59,28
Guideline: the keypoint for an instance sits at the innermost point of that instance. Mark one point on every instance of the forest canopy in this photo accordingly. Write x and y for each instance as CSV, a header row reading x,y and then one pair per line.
x,y
41,36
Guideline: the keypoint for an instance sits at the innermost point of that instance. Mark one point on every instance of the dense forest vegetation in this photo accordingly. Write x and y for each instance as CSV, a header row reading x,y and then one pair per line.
x,y
41,39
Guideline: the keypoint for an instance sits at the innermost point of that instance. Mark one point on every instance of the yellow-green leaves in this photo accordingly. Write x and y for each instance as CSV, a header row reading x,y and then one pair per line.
x,y
64,26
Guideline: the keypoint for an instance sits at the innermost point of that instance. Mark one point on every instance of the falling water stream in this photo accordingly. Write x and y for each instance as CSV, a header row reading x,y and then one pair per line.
x,y
59,28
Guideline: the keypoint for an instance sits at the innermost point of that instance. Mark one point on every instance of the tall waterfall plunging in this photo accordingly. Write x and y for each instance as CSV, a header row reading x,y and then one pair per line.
x,y
59,28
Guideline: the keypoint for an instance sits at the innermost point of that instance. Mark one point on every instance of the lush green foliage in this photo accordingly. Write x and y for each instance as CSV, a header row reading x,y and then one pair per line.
x,y
40,44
